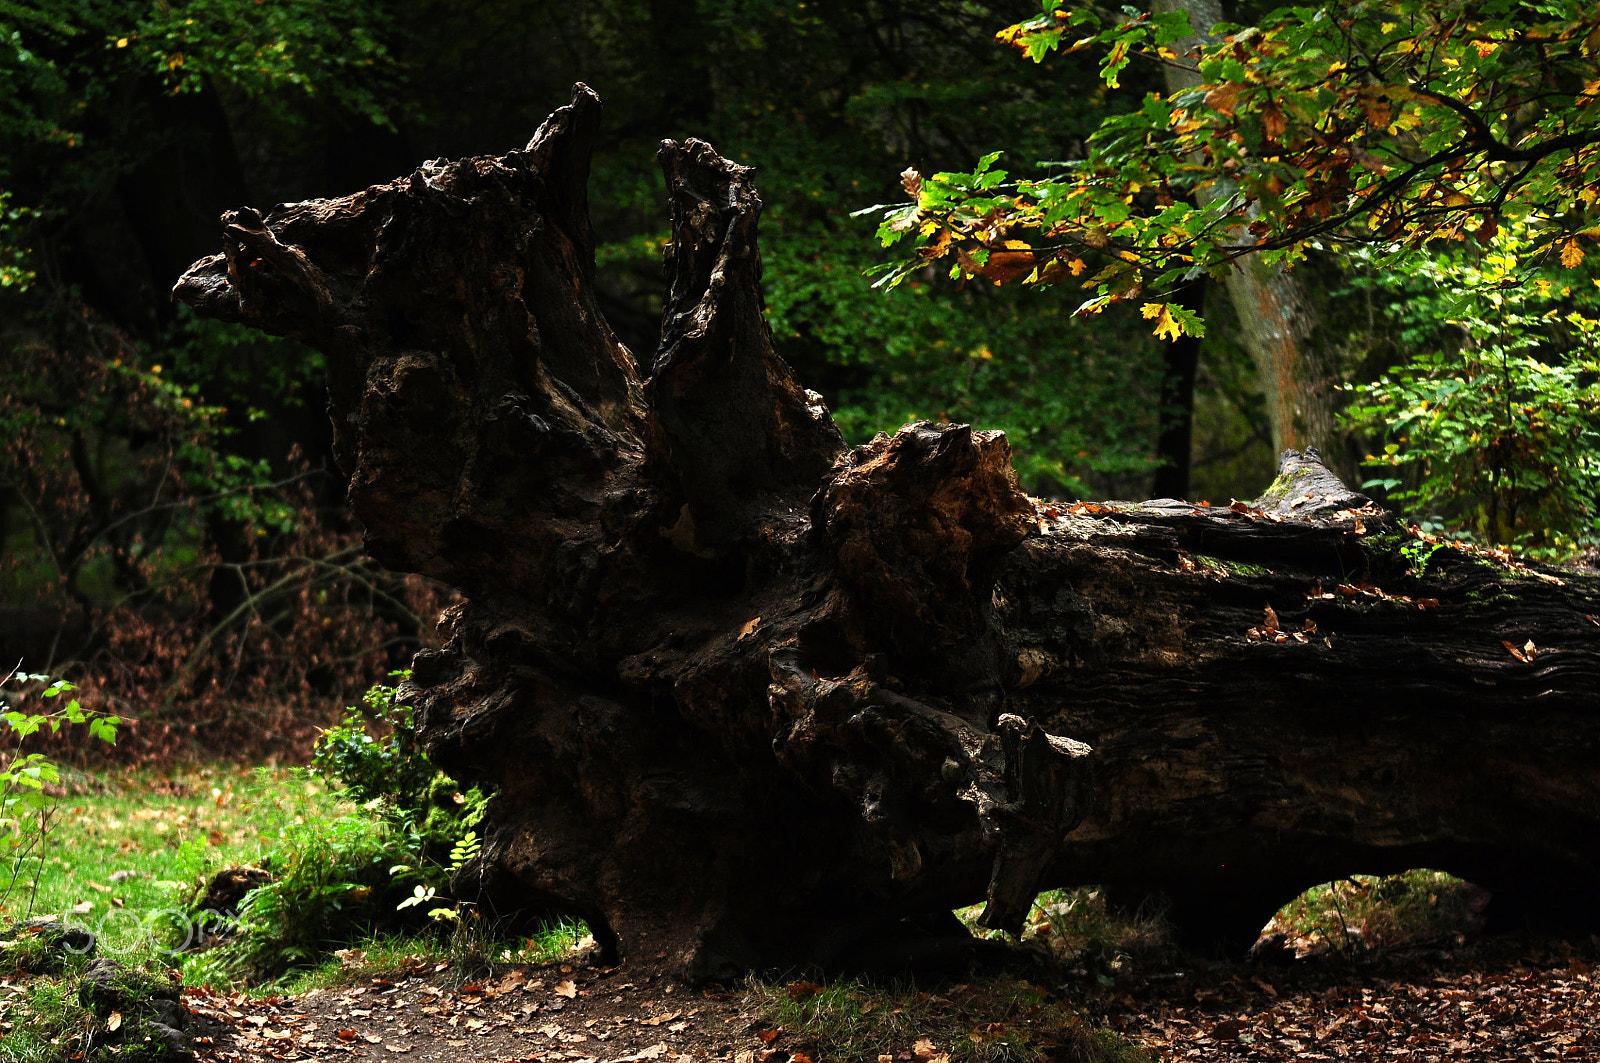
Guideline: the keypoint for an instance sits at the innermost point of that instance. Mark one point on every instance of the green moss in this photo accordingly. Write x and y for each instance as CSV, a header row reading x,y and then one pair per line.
x,y
1234,568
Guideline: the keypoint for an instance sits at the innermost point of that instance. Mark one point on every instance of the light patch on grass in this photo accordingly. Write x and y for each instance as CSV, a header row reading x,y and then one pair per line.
x,y
1081,932
1364,912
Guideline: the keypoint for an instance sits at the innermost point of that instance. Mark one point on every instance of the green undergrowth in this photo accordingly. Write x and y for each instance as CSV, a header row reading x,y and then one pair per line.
x,y
128,858
993,1021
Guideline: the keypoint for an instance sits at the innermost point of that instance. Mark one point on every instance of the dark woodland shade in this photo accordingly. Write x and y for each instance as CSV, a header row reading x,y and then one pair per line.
x,y
748,696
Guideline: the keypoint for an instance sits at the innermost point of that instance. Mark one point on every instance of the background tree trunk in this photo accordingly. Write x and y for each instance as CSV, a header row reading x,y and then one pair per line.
x,y
1296,359
747,696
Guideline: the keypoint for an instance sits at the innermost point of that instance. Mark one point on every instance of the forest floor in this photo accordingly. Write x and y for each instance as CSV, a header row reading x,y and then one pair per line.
x,y
1512,998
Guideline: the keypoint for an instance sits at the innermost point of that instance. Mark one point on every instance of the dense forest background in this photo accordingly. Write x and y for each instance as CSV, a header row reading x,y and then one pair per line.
x,y
172,517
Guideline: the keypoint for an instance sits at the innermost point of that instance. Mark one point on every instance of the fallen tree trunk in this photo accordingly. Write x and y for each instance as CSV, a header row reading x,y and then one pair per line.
x,y
746,695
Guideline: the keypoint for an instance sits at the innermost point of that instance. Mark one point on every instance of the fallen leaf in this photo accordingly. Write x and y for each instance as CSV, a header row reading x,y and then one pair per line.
x,y
748,628
115,1021
567,988
768,1036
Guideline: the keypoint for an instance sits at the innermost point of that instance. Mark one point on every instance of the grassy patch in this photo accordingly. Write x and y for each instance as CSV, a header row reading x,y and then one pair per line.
x,y
1367,912
1000,1021
127,858
143,843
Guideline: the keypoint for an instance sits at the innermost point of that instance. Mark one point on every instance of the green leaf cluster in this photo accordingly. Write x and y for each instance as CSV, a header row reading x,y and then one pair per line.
x,y
1490,421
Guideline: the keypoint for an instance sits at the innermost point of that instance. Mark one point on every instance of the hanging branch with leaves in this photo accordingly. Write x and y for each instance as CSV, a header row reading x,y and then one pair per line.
x,y
1386,127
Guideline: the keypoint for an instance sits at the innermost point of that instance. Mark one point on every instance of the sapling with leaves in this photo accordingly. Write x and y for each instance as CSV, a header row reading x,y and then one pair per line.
x,y
27,805
1488,421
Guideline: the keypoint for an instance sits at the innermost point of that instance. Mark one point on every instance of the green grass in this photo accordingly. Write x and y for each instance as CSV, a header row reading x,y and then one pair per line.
x,y
994,1021
41,1023
115,860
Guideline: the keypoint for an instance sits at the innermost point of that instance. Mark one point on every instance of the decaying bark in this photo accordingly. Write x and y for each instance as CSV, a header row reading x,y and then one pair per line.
x,y
747,695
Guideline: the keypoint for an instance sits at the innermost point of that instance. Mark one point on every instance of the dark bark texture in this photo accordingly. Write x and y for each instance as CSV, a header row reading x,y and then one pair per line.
x,y
748,696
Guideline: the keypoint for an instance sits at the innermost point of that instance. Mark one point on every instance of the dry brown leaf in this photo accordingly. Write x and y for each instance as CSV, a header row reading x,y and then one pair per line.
x,y
567,988
350,958
748,628
115,1021
657,1020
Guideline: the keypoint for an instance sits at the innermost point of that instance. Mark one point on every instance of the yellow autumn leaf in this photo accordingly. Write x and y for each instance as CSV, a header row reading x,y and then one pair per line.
x,y
1166,328
122,42
1571,254
1077,266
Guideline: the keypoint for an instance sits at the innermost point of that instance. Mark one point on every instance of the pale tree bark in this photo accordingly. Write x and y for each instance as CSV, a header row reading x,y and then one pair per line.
x,y
1297,362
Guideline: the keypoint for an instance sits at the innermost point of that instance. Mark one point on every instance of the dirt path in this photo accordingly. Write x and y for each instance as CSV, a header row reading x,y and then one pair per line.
x,y
572,1013
1511,1000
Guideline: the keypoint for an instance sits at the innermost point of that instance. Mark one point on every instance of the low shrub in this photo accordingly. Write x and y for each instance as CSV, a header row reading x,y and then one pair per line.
x,y
381,867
